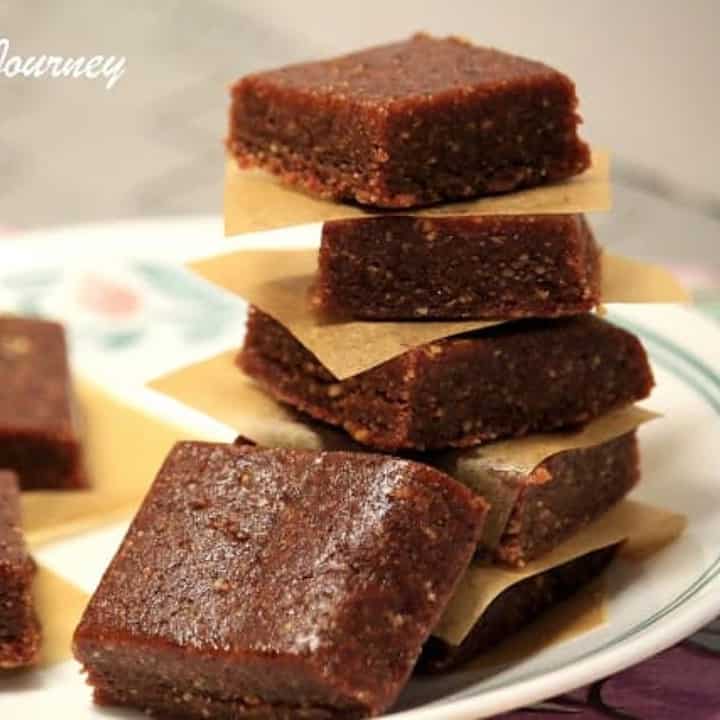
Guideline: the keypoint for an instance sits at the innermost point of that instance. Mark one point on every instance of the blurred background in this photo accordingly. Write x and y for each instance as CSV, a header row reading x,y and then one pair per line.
x,y
73,152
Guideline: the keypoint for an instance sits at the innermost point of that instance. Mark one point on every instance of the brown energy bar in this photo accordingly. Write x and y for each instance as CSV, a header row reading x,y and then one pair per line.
x,y
508,380
416,122
277,584
399,267
19,627
532,513
38,434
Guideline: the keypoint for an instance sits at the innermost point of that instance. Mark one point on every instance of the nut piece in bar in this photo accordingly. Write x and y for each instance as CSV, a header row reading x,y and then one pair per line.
x,y
19,627
416,122
515,608
532,513
38,434
508,380
277,583
399,267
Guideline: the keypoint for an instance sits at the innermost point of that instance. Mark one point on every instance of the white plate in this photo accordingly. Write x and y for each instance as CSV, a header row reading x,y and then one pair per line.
x,y
134,313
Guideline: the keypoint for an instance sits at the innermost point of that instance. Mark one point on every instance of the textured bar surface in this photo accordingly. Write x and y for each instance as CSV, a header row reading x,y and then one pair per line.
x,y
38,435
399,267
408,124
277,583
509,380
19,627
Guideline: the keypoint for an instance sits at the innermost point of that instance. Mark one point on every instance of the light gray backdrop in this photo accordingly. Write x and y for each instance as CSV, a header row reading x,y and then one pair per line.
x,y
70,151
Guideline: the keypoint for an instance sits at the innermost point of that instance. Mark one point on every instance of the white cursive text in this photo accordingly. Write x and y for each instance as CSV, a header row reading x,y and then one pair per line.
x,y
110,68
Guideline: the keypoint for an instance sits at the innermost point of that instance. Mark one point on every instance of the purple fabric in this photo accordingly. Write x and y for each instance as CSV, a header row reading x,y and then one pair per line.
x,y
682,683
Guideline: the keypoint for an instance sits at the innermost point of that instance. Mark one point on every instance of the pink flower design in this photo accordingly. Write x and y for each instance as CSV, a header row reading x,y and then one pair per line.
x,y
106,297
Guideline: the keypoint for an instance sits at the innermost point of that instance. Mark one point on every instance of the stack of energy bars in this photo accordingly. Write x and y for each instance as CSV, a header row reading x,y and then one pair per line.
x,y
436,120
297,583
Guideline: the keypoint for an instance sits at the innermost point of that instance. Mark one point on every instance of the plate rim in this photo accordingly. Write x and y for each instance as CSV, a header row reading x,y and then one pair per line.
x,y
679,618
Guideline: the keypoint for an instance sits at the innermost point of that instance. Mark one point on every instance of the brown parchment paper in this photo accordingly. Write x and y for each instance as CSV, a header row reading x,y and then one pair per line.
x,y
626,280
123,449
219,389
278,282
526,453
640,525
584,611
59,605
255,200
